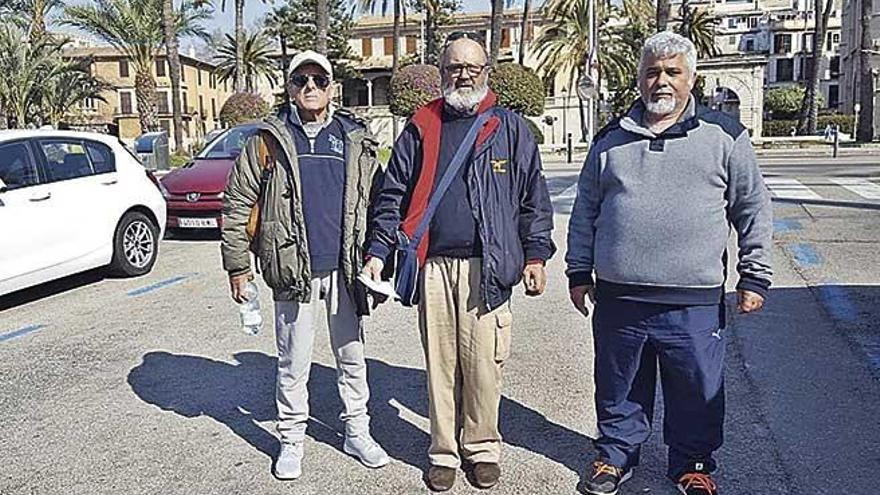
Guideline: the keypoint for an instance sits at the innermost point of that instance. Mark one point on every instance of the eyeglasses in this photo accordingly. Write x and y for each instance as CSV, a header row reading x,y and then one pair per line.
x,y
457,70
300,80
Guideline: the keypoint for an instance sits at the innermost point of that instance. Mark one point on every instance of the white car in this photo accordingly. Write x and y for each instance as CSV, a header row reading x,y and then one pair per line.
x,y
73,201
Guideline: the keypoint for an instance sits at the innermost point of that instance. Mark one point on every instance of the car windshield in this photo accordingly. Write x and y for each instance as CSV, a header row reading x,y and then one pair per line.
x,y
228,144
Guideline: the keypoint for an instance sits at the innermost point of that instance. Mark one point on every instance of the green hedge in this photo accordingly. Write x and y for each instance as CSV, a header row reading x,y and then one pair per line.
x,y
518,88
243,107
783,127
412,87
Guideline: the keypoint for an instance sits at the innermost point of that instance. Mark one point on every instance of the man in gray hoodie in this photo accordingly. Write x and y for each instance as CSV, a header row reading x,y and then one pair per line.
x,y
656,200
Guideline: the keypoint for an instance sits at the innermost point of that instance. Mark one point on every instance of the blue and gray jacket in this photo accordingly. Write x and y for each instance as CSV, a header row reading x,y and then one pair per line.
x,y
508,195
654,211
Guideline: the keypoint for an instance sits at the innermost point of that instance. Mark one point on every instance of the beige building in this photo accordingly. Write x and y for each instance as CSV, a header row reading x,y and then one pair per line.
x,y
371,41
850,46
783,32
202,95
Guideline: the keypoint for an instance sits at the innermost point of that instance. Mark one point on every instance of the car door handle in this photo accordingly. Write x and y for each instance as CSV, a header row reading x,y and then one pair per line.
x,y
44,197
110,182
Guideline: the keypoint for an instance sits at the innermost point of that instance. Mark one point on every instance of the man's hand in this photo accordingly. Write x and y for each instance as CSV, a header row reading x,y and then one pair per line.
x,y
534,279
237,285
578,297
373,269
748,301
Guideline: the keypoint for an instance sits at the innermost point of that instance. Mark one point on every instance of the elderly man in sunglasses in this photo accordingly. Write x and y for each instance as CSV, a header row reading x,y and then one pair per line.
x,y
313,222
491,230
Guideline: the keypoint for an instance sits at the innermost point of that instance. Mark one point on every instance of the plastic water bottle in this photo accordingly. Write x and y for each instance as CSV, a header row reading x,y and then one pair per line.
x,y
251,319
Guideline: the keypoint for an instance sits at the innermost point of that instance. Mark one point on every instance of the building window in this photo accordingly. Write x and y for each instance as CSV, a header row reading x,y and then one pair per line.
x,y
833,96
201,106
184,102
389,45
784,69
89,104
165,125
123,68
731,22
214,108
807,40
160,68
182,73
162,100
731,40
782,43
125,103
366,47
549,86
750,45
805,66
753,22
199,76
834,66
505,38
410,44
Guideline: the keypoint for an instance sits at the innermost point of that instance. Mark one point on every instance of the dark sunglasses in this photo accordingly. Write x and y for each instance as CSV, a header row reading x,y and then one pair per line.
x,y
300,80
470,35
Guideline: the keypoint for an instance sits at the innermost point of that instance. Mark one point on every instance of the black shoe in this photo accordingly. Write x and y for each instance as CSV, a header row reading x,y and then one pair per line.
x,y
697,484
439,478
486,474
605,479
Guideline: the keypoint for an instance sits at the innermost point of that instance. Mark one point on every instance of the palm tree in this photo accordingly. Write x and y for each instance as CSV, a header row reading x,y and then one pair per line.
x,y
37,11
278,25
527,5
810,104
72,86
256,61
322,24
663,10
238,84
134,27
699,27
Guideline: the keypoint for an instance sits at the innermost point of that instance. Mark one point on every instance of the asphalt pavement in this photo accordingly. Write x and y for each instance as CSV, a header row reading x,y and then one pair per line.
x,y
147,385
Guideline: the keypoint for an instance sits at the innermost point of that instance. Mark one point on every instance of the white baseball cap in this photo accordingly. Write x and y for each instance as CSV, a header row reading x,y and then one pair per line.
x,y
311,57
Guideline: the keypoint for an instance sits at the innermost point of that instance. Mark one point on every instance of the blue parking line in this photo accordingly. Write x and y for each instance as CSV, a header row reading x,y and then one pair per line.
x,y
805,255
21,331
784,225
160,285
838,303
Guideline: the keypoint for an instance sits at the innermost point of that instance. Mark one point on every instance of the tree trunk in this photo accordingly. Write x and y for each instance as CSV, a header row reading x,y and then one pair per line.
x,y
38,22
430,30
810,105
865,131
145,94
395,33
173,56
497,21
322,21
238,82
527,4
662,15
285,61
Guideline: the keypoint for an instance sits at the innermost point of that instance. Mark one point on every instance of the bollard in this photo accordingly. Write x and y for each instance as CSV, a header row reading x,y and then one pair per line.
x,y
836,140
568,148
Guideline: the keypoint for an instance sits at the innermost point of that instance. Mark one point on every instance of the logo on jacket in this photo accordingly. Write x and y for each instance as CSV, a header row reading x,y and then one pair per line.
x,y
498,166
335,144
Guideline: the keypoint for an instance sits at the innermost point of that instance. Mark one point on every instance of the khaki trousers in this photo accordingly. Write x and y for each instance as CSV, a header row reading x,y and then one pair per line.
x,y
465,348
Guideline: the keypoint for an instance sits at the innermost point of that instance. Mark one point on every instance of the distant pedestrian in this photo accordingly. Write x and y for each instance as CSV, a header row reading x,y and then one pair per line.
x,y
656,200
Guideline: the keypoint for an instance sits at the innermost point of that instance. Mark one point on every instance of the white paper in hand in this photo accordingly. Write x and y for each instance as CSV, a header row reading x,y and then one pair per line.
x,y
384,287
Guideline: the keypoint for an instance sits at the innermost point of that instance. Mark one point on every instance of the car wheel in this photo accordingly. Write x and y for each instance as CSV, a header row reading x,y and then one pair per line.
x,y
135,245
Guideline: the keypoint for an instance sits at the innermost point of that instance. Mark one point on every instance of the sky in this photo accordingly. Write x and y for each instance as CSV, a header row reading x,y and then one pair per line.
x,y
255,9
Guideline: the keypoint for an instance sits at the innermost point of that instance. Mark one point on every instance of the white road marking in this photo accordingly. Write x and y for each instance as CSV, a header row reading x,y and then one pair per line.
x,y
862,187
788,188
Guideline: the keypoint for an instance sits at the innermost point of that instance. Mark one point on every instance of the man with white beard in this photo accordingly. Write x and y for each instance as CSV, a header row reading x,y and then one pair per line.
x,y
657,197
492,229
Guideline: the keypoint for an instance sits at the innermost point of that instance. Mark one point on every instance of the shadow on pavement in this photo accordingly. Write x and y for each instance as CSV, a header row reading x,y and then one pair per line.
x,y
241,394
52,288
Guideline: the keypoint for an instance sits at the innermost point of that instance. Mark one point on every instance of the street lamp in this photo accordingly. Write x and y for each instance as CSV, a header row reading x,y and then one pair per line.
x,y
564,115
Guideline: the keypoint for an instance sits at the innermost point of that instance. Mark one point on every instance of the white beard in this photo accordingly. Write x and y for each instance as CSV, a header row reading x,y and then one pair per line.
x,y
464,100
663,106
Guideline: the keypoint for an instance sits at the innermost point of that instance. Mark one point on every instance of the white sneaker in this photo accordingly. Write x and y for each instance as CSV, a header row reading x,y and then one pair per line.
x,y
370,453
288,466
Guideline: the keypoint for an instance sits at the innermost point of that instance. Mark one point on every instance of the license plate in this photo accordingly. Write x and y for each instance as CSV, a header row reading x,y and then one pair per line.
x,y
197,223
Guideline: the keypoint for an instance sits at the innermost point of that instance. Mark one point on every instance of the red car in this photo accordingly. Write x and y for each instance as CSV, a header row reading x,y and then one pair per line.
x,y
194,192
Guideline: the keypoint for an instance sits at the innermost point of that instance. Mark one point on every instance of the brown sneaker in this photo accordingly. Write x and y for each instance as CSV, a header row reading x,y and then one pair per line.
x,y
439,478
486,474
697,484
